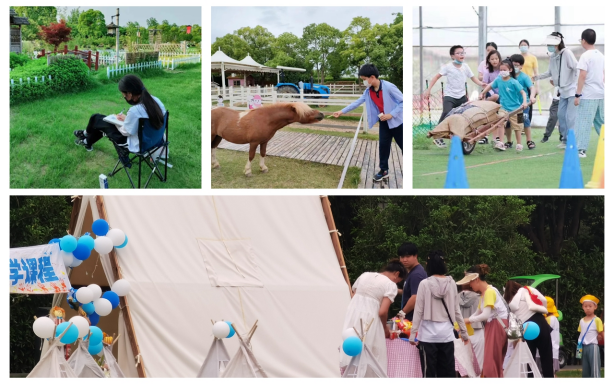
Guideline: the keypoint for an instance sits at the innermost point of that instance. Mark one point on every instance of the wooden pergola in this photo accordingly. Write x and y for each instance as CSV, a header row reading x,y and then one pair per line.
x,y
17,21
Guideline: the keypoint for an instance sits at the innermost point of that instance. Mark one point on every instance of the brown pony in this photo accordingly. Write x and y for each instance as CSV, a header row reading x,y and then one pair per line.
x,y
256,127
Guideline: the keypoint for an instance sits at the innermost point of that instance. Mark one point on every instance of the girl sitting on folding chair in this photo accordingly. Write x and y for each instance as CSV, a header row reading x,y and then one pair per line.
x,y
124,136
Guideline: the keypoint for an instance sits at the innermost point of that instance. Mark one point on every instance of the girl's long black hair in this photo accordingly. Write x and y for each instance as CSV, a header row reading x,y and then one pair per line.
x,y
491,69
134,85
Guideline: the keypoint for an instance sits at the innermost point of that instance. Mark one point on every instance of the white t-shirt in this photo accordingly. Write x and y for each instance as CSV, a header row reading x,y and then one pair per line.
x,y
436,332
554,323
131,124
592,61
592,334
456,79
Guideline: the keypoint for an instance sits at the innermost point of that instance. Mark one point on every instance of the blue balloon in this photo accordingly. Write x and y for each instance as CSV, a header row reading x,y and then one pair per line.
x,y
96,335
95,349
82,252
124,243
86,240
56,240
531,330
113,298
232,332
352,346
94,317
88,308
68,243
70,336
100,227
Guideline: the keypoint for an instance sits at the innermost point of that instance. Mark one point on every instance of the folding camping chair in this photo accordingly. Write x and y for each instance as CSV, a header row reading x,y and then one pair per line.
x,y
153,144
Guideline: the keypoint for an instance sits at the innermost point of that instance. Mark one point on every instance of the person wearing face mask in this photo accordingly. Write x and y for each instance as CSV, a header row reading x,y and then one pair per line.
x,y
564,74
456,74
530,90
385,104
512,97
530,67
143,105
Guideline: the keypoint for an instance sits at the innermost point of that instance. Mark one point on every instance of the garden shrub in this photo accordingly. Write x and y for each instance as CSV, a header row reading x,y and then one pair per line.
x,y
68,74
18,60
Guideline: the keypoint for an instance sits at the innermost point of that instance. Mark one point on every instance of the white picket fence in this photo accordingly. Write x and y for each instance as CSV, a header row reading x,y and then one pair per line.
x,y
113,70
37,79
242,95
172,61
110,59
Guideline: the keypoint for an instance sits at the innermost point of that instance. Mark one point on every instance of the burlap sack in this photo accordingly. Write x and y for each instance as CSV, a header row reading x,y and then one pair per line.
x,y
477,113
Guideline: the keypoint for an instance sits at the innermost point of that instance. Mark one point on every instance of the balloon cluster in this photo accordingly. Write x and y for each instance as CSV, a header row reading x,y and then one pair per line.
x,y
352,344
223,330
74,251
95,303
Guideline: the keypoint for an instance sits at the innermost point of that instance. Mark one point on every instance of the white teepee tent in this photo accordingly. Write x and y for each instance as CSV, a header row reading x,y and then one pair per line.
x,y
244,363
521,362
52,363
364,365
465,356
83,363
239,258
216,360
114,368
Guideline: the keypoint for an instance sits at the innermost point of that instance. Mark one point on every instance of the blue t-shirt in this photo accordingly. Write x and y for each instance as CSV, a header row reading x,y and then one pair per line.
x,y
526,83
411,286
510,93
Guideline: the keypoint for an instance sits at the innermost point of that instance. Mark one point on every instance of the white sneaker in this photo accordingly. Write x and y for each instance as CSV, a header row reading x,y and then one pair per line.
x,y
499,146
562,145
519,148
439,143
582,153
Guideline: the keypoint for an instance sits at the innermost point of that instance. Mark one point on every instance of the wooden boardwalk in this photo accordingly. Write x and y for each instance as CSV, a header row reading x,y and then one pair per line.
x,y
333,150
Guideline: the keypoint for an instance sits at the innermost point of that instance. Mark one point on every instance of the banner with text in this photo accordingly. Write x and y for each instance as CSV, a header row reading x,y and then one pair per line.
x,y
38,270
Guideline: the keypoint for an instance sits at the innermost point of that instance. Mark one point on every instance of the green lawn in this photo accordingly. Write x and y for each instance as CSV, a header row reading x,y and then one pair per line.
x,y
366,136
283,173
574,373
538,168
44,155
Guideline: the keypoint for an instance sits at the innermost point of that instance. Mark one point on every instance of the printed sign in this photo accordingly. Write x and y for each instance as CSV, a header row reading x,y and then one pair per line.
x,y
38,270
256,102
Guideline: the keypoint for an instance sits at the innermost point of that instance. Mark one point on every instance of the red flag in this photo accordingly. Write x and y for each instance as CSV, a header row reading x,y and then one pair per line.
x,y
188,29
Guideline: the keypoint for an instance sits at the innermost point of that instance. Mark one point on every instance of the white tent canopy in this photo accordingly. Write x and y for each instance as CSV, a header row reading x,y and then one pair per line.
x,y
83,363
190,259
114,368
521,362
52,363
216,360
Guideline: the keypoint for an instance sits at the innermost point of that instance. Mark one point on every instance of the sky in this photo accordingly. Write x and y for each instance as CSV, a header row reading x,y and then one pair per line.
x,y
177,15
504,16
292,19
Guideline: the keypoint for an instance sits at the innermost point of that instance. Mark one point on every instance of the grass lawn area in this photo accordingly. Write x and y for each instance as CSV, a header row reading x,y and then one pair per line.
x,y
538,168
283,173
44,155
366,136
575,373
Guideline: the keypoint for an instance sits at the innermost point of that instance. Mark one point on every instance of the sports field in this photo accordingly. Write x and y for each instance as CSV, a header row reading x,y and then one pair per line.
x,y
488,168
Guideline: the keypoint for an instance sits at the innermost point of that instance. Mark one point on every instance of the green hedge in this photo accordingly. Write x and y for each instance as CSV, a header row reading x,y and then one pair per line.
x,y
18,60
68,74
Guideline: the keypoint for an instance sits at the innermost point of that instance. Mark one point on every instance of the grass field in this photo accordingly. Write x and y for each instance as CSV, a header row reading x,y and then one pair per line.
x,y
486,168
44,155
361,135
283,173
574,373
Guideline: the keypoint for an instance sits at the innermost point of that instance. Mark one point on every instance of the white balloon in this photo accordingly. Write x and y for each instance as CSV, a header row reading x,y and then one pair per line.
x,y
349,332
221,329
117,236
102,307
103,245
82,325
68,258
84,295
121,287
43,327
96,291
76,262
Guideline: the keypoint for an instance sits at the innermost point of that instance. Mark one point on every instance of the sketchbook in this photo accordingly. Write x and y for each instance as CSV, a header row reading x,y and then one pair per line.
x,y
113,120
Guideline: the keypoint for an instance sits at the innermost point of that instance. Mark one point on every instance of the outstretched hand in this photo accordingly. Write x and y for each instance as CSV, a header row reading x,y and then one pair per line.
x,y
337,114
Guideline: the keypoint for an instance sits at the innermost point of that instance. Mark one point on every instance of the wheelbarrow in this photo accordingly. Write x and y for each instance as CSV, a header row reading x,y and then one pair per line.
x,y
468,142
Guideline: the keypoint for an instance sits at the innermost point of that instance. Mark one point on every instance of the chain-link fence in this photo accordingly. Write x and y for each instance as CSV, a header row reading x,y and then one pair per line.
x,y
438,38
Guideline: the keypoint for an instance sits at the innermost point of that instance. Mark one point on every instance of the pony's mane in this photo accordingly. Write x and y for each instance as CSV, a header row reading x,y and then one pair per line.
x,y
300,108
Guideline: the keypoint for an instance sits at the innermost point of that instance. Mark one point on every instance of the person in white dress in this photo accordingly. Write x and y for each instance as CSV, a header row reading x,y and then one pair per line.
x,y
373,294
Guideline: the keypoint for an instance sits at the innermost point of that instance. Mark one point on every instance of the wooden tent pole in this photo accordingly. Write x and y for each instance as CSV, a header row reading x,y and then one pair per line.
x,y
102,213
326,207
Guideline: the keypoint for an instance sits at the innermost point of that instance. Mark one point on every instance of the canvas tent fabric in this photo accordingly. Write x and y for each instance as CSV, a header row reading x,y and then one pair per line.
x,y
114,368
83,364
244,364
464,355
364,365
217,359
521,362
238,258
53,364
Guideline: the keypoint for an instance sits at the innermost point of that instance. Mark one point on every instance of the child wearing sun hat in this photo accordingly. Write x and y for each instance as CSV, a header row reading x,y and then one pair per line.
x,y
590,331
552,318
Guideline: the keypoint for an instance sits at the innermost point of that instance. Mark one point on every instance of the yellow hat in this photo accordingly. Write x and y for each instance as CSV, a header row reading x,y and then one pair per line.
x,y
551,308
591,298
